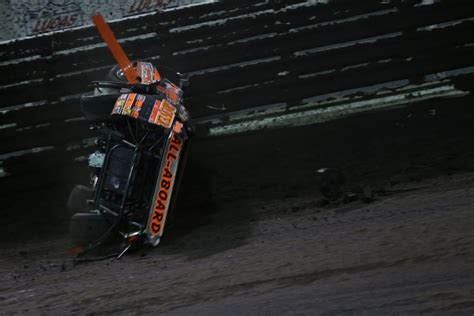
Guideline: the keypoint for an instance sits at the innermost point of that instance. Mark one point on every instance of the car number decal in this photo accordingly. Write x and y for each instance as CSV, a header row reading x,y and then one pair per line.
x,y
163,113
157,112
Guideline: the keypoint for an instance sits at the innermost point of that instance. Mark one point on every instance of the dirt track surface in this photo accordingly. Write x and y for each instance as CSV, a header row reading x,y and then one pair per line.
x,y
409,252
254,236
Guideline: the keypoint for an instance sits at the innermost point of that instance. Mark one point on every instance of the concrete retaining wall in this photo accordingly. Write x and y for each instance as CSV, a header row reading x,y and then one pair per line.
x,y
296,59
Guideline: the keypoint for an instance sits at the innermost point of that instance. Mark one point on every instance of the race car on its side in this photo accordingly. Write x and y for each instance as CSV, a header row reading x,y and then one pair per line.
x,y
135,172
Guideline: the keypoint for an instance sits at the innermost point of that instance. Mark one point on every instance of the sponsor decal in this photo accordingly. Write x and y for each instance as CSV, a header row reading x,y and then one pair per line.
x,y
119,104
173,92
178,127
164,187
53,17
142,6
163,113
127,109
154,112
138,106
146,71
166,114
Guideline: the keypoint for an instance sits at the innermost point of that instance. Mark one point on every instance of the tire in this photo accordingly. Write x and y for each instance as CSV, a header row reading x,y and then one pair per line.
x,y
77,201
86,228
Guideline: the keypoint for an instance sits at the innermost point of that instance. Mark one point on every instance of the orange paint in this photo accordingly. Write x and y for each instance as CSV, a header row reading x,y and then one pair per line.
x,y
138,106
165,186
154,112
172,96
166,114
115,48
127,109
178,127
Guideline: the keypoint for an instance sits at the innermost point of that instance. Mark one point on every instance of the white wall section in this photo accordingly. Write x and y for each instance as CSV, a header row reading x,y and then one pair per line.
x,y
20,18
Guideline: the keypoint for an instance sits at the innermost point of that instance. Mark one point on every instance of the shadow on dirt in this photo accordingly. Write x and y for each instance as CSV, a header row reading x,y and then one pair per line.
x,y
201,227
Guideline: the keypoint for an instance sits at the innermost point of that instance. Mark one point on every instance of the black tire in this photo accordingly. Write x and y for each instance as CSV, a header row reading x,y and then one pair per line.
x,y
77,201
86,228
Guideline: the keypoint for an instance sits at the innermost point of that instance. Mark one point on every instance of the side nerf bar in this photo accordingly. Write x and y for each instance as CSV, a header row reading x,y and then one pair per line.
x,y
165,185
